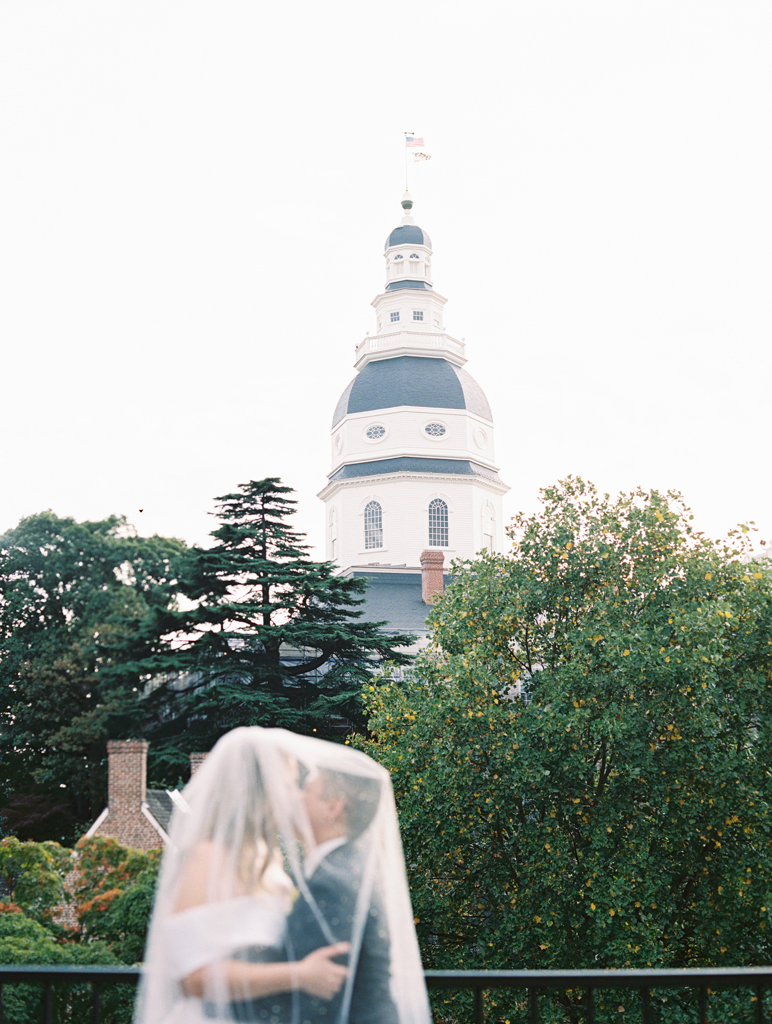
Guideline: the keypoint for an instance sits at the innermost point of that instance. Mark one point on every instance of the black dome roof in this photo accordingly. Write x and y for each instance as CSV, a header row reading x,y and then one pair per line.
x,y
412,380
408,234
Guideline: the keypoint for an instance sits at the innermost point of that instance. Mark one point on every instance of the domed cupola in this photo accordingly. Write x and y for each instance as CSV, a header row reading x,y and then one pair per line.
x,y
412,434
408,252
410,380
408,234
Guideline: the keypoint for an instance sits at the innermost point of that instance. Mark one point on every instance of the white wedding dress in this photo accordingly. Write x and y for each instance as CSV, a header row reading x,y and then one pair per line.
x,y
215,931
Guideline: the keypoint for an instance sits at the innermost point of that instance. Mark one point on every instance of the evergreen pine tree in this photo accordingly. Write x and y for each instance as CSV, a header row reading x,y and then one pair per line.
x,y
268,636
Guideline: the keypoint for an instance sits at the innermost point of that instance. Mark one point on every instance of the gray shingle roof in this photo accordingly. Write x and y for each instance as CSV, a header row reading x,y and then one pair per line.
x,y
413,464
395,598
160,805
408,234
412,380
394,286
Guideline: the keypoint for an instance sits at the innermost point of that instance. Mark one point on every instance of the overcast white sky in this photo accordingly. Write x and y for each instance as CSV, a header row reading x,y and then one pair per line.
x,y
194,198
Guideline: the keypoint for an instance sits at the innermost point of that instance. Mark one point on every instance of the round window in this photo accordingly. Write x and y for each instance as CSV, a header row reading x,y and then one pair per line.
x,y
480,438
435,430
375,432
339,443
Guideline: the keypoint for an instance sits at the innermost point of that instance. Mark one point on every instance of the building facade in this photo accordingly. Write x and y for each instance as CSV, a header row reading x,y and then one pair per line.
x,y
413,466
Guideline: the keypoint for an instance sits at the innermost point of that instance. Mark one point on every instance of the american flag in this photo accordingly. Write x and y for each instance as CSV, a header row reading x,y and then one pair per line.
x,y
412,142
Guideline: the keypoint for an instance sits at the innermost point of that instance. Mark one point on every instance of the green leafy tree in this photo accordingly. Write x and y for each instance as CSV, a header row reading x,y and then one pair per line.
x,y
269,635
32,877
581,761
98,895
24,940
38,924
72,596
113,893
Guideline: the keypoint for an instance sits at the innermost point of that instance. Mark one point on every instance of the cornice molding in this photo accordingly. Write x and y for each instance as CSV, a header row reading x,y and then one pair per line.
x,y
356,482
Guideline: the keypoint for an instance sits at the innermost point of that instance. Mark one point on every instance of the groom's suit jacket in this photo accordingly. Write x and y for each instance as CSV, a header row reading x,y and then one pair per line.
x,y
334,887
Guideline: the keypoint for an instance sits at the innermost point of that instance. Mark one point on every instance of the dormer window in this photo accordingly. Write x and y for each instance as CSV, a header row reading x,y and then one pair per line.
x,y
418,314
394,317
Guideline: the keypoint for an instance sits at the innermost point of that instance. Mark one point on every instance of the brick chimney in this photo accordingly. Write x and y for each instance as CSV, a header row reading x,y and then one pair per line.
x,y
126,793
432,580
196,760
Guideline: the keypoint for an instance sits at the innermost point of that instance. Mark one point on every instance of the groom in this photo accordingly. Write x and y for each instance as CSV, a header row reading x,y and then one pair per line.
x,y
340,808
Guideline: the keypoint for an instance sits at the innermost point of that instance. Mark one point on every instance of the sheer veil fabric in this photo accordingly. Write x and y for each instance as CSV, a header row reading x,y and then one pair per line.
x,y
282,897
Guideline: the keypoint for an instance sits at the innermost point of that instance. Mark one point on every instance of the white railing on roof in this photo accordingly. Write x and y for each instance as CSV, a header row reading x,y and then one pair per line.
x,y
411,340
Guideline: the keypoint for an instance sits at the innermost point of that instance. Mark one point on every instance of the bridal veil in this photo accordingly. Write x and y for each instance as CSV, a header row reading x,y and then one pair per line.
x,y
281,848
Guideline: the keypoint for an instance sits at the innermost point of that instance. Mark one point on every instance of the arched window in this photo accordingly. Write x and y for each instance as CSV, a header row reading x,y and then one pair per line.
x,y
438,523
373,525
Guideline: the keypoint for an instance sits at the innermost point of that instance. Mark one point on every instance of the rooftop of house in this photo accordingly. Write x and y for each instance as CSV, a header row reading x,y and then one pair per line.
x,y
160,804
395,597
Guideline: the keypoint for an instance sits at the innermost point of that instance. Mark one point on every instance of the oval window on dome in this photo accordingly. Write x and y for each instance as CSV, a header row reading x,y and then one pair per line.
x,y
435,430
375,432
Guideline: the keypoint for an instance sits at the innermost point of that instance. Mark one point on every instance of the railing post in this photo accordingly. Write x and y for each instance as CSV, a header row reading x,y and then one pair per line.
x,y
97,990
533,1005
703,1004
48,1002
759,1005
478,1006
2,1006
646,1006
590,1006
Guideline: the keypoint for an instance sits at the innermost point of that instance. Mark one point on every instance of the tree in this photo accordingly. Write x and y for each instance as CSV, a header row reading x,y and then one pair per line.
x,y
98,895
32,877
38,926
113,892
581,761
269,636
58,906
25,941
72,596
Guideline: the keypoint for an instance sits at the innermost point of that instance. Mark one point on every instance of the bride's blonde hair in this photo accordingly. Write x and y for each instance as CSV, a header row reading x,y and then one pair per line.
x,y
229,808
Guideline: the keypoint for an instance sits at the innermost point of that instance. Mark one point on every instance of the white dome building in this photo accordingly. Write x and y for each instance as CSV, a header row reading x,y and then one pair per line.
x,y
412,445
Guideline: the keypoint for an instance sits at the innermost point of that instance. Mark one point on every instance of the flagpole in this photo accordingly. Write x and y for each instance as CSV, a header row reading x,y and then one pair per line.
x,y
406,135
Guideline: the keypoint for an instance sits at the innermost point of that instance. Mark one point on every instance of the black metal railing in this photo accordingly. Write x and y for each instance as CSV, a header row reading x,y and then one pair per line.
x,y
50,979
703,982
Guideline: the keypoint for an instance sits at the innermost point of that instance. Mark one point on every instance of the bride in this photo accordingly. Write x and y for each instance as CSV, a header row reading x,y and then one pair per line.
x,y
279,893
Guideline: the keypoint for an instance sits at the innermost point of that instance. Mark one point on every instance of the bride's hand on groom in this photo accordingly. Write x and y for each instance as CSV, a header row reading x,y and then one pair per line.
x,y
318,975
